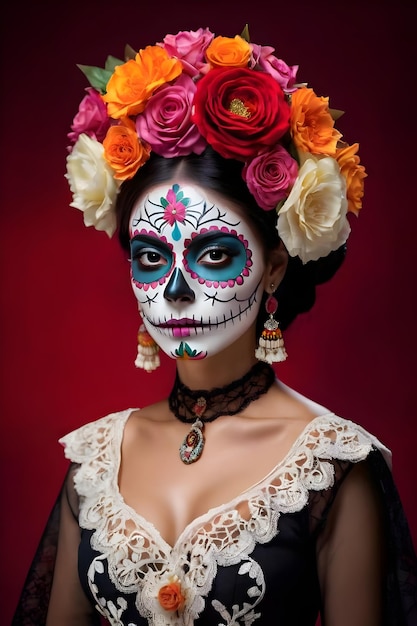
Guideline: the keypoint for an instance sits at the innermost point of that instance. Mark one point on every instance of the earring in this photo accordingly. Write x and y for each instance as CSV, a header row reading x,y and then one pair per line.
x,y
271,347
148,357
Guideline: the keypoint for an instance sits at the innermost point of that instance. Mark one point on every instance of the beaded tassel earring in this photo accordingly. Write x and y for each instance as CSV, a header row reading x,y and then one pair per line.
x,y
148,357
271,347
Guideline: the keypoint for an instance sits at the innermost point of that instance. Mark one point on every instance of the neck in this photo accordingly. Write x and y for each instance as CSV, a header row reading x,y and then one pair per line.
x,y
205,401
219,369
206,405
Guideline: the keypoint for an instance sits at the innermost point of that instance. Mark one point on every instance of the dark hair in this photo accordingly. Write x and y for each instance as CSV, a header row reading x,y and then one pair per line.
x,y
297,291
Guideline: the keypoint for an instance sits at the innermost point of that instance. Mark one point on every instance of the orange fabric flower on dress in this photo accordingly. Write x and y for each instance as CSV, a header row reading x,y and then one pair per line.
x,y
170,596
124,151
133,83
229,52
354,174
312,125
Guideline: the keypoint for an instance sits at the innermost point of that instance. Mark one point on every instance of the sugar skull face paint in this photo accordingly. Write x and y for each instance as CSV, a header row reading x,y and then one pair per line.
x,y
197,269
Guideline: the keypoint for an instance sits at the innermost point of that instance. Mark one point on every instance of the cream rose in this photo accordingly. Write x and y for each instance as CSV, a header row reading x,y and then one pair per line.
x,y
92,184
312,221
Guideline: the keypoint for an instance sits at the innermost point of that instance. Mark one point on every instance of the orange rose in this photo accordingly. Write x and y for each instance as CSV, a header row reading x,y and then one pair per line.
x,y
170,596
229,52
124,151
133,83
312,126
354,174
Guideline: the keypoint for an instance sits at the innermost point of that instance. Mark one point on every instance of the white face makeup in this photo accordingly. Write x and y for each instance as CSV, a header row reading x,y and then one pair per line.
x,y
197,269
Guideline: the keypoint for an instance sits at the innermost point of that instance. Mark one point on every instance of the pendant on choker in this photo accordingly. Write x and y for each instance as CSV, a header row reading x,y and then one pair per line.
x,y
198,406
193,444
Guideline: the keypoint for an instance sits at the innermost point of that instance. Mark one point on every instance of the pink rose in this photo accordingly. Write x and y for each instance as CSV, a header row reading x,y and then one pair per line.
x,y
91,119
166,121
270,176
189,46
264,59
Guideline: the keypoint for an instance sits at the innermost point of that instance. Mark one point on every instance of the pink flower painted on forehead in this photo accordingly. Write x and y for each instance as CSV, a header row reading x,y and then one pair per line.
x,y
175,206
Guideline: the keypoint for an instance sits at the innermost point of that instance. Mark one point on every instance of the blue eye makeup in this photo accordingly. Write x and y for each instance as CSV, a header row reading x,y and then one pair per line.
x,y
151,259
216,256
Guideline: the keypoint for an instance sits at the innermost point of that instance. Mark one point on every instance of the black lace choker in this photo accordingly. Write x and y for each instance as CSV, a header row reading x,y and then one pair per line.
x,y
199,406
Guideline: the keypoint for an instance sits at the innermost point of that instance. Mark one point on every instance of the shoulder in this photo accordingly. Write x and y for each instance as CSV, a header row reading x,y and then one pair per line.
x,y
327,452
91,439
329,436
95,449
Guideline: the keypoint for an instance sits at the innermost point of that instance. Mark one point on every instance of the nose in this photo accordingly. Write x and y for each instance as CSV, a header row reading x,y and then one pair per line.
x,y
178,288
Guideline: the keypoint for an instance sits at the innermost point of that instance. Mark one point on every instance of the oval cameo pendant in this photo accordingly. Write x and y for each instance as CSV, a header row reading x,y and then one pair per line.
x,y
193,444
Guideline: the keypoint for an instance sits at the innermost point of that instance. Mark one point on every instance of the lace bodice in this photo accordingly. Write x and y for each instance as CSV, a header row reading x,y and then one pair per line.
x,y
129,561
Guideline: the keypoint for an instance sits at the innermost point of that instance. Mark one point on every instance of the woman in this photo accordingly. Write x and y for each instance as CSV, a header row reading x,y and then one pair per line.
x,y
235,500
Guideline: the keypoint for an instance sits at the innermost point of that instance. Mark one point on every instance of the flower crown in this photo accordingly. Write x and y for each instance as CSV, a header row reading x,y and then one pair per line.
x,y
196,89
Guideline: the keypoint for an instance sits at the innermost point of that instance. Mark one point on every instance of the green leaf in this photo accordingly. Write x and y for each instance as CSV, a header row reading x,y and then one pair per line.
x,y
280,205
111,63
245,33
130,53
336,113
97,76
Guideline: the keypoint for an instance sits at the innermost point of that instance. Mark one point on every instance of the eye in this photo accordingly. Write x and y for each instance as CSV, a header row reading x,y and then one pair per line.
x,y
215,255
149,259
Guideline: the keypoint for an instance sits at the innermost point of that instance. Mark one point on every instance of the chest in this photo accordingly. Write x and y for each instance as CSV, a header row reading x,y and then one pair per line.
x,y
157,484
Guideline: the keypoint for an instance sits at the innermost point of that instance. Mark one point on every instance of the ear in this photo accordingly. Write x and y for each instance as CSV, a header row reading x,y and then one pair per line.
x,y
276,267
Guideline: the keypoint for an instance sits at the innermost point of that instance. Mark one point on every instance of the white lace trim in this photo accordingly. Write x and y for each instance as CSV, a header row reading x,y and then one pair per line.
x,y
140,561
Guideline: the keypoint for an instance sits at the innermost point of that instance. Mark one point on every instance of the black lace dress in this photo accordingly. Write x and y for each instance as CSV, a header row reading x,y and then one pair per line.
x,y
251,561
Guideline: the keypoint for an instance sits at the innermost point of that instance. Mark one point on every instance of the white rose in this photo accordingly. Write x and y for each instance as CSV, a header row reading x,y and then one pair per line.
x,y
312,221
94,189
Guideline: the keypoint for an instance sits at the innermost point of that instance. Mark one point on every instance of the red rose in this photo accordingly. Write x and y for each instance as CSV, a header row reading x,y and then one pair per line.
x,y
240,111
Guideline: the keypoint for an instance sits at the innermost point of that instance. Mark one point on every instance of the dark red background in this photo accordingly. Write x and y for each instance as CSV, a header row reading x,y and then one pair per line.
x,y
68,319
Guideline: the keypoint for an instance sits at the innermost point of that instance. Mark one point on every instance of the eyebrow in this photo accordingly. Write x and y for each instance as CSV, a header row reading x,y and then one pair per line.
x,y
198,239
212,234
148,239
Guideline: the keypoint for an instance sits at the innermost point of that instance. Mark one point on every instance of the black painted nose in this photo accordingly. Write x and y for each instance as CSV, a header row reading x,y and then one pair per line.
x,y
178,288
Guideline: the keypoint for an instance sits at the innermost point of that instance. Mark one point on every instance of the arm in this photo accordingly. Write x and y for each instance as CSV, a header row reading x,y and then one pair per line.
x,y
351,554
68,604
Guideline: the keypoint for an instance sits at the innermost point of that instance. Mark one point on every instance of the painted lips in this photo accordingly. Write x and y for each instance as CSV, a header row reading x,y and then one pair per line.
x,y
181,328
